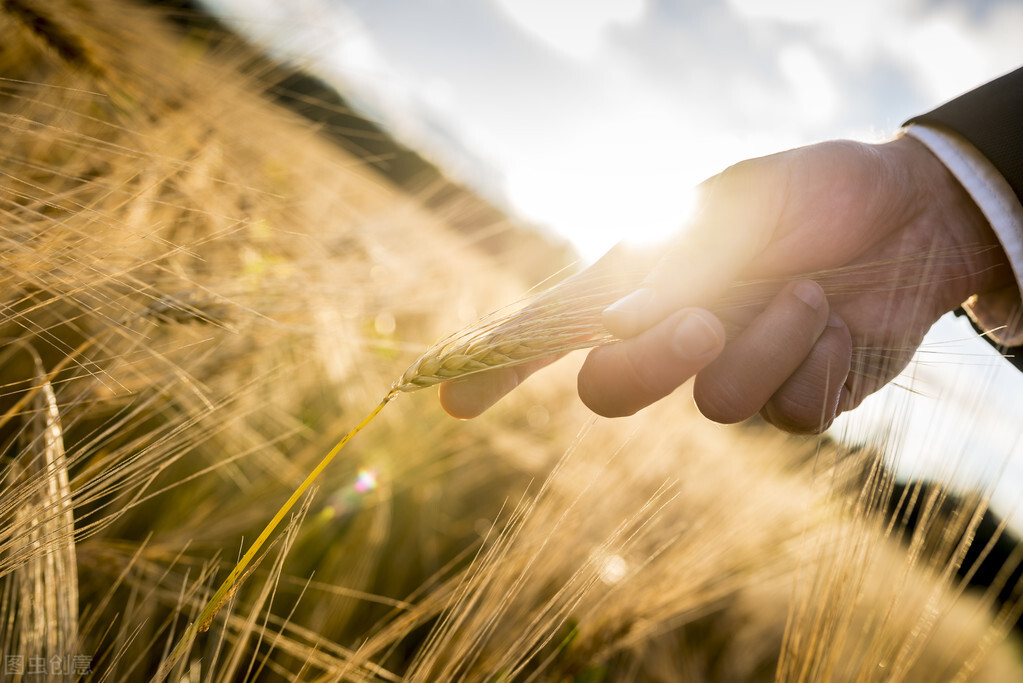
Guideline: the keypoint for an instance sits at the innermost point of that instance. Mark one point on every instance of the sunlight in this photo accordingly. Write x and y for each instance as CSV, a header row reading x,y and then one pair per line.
x,y
626,173
616,180
596,205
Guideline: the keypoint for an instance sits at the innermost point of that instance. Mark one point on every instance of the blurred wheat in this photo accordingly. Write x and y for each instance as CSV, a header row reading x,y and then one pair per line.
x,y
201,293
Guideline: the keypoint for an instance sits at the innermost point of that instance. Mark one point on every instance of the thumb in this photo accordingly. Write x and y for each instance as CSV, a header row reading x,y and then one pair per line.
x,y
736,219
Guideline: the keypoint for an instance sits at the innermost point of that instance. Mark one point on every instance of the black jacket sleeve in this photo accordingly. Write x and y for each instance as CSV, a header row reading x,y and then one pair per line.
x,y
991,119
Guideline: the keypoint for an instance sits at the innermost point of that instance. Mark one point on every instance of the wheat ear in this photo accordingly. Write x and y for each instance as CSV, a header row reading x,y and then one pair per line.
x,y
565,318
568,316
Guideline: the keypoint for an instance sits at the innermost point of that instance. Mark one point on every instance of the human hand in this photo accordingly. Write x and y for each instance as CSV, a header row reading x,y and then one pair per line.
x,y
893,238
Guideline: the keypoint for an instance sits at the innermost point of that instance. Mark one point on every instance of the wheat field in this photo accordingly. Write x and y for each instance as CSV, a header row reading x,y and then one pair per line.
x,y
202,292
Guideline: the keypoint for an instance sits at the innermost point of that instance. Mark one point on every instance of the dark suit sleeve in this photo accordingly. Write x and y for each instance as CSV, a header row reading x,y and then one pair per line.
x,y
1013,354
991,119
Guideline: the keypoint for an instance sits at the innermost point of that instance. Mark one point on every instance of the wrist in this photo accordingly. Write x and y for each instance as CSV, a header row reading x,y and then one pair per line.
x,y
976,261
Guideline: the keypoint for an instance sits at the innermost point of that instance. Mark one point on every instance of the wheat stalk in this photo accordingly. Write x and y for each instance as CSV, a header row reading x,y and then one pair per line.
x,y
512,340
565,318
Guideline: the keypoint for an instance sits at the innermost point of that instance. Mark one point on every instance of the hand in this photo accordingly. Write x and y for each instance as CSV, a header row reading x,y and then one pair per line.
x,y
893,238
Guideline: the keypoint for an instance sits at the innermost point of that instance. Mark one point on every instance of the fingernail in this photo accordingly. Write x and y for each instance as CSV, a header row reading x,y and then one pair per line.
x,y
810,294
835,321
624,318
694,337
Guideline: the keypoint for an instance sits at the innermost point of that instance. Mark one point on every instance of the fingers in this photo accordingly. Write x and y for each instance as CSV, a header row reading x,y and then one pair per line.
x,y
619,379
782,361
616,270
470,397
790,364
740,214
810,399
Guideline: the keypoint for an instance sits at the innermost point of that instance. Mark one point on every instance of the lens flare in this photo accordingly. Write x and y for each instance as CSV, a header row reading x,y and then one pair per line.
x,y
366,481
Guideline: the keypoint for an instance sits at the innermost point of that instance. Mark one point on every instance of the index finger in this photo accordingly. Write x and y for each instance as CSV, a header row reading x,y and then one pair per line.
x,y
469,397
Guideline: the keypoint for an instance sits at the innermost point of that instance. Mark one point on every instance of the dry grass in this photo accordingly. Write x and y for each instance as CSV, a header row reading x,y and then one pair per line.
x,y
201,294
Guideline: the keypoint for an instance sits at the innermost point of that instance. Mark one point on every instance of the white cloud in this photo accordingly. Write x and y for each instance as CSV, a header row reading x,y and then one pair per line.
x,y
786,11
946,56
576,29
946,48
815,89
949,54
849,23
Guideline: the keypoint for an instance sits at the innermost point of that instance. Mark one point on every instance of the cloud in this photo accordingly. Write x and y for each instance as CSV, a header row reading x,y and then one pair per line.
x,y
815,90
575,29
949,50
944,48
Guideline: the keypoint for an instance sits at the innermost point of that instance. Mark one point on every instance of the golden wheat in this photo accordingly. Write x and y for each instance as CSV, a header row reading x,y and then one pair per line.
x,y
200,274
568,316
565,318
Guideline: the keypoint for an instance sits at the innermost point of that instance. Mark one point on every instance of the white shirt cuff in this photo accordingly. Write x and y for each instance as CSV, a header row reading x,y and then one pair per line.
x,y
998,313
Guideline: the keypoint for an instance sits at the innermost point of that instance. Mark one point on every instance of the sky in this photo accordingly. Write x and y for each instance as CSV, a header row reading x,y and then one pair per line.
x,y
596,118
